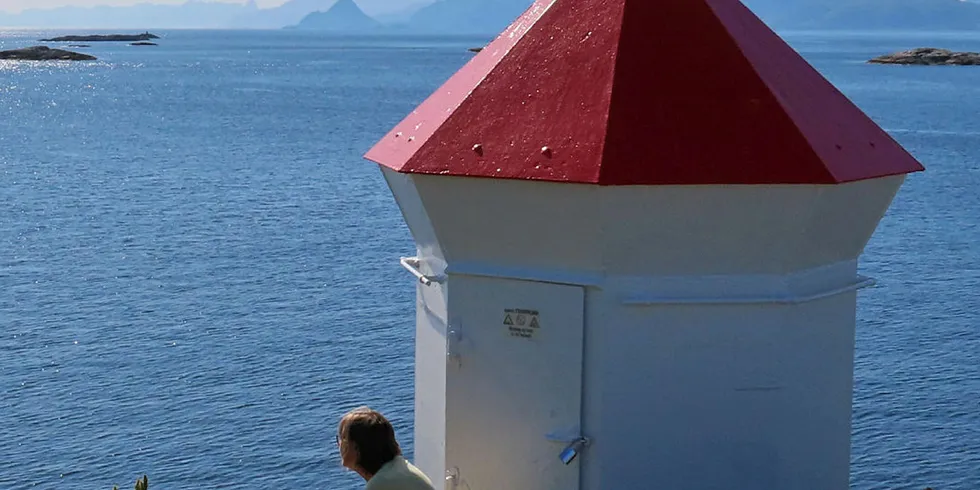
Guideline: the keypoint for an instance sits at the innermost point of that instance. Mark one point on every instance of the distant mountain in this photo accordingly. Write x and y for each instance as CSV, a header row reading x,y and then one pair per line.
x,y
402,16
191,15
343,16
194,14
492,16
389,8
467,16
868,14
287,14
488,17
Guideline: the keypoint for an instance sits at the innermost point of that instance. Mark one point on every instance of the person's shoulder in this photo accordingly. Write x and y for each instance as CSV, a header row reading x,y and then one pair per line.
x,y
402,476
400,482
423,480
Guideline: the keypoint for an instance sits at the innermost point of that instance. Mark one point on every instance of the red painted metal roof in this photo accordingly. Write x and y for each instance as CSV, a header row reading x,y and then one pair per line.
x,y
641,92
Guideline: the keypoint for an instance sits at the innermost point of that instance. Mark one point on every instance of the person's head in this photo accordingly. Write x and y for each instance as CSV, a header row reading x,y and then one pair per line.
x,y
366,441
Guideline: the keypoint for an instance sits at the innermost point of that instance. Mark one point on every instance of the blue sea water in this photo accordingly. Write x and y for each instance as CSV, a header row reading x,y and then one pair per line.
x,y
199,274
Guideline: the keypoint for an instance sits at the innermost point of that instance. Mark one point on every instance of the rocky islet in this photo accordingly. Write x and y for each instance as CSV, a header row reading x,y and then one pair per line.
x,y
928,57
44,53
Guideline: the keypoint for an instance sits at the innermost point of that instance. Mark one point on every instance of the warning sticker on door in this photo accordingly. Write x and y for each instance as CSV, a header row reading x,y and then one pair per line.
x,y
522,323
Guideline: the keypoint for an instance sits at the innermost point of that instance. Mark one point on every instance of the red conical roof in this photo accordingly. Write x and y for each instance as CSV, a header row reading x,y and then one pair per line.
x,y
642,92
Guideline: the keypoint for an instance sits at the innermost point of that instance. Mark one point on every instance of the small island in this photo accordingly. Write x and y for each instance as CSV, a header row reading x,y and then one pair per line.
x,y
44,53
146,36
929,57
143,43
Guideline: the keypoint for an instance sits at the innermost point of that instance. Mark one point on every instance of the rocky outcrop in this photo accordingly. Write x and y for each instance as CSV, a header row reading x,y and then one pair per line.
x,y
146,36
143,43
44,53
928,56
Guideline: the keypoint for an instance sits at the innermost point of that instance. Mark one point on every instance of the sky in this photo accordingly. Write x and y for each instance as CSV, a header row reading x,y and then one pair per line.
x,y
18,5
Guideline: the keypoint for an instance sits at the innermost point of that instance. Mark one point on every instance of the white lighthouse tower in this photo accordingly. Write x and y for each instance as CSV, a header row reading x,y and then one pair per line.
x,y
638,225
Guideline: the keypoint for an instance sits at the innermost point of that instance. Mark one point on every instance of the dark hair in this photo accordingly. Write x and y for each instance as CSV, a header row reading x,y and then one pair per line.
x,y
371,435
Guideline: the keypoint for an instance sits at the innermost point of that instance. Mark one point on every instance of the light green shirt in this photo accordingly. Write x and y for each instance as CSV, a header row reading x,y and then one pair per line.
x,y
399,474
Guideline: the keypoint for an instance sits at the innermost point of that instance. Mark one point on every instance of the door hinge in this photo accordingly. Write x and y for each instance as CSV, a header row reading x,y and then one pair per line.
x,y
454,337
452,478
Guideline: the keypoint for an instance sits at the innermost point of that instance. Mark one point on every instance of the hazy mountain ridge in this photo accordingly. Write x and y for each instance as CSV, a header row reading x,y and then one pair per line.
x,y
403,15
479,16
289,13
190,15
486,16
343,16
869,14
194,14
467,16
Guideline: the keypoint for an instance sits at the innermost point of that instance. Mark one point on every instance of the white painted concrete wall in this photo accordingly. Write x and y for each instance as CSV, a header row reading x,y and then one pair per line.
x,y
719,321
432,322
720,396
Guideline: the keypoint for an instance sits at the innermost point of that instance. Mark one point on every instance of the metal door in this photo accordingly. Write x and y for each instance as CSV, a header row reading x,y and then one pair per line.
x,y
513,384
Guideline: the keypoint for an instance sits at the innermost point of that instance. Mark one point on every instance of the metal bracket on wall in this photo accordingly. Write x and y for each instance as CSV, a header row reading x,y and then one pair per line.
x,y
411,264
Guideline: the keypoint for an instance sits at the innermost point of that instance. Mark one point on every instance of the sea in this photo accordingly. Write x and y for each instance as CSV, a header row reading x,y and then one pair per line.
x,y
199,272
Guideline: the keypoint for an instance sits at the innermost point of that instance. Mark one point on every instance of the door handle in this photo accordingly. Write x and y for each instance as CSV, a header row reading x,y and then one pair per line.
x,y
574,446
572,450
